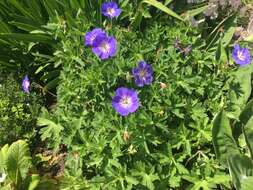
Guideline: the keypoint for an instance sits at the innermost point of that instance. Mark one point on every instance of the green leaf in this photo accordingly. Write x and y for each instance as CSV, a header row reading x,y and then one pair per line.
x,y
240,167
31,182
243,76
194,12
52,129
3,156
147,180
52,83
249,38
247,183
200,185
18,161
20,7
241,90
51,7
247,112
181,168
24,26
228,36
48,184
248,134
4,28
131,180
27,37
35,179
221,54
163,8
223,141
219,179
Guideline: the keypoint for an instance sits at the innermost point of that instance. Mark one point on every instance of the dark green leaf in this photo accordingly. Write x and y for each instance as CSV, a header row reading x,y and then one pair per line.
x,y
240,168
223,141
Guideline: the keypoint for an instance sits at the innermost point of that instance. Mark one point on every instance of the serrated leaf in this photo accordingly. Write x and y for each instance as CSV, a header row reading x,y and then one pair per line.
x,y
131,180
148,180
181,169
51,129
201,185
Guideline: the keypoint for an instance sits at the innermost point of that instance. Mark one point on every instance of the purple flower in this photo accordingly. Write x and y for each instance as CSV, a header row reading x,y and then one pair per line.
x,y
91,36
104,46
241,55
25,84
143,74
125,101
110,9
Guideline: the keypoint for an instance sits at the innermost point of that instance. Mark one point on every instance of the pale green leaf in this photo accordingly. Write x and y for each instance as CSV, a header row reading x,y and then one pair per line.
x,y
3,156
247,183
18,161
163,8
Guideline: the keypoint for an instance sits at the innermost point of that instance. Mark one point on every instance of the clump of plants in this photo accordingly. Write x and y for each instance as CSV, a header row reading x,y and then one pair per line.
x,y
138,87
138,115
18,109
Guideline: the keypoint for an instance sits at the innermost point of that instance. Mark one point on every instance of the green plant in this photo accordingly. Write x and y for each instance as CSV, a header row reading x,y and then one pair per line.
x,y
80,142
18,111
28,34
232,131
238,159
169,144
16,164
30,31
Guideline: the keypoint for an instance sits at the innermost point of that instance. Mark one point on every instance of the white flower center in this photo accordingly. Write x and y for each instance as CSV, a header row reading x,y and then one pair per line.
x,y
26,84
240,55
105,47
142,73
125,101
93,37
111,11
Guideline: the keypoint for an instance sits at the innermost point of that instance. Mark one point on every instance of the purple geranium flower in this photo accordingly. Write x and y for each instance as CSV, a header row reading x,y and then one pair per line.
x,y
104,46
25,84
241,55
91,36
125,101
143,74
110,9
